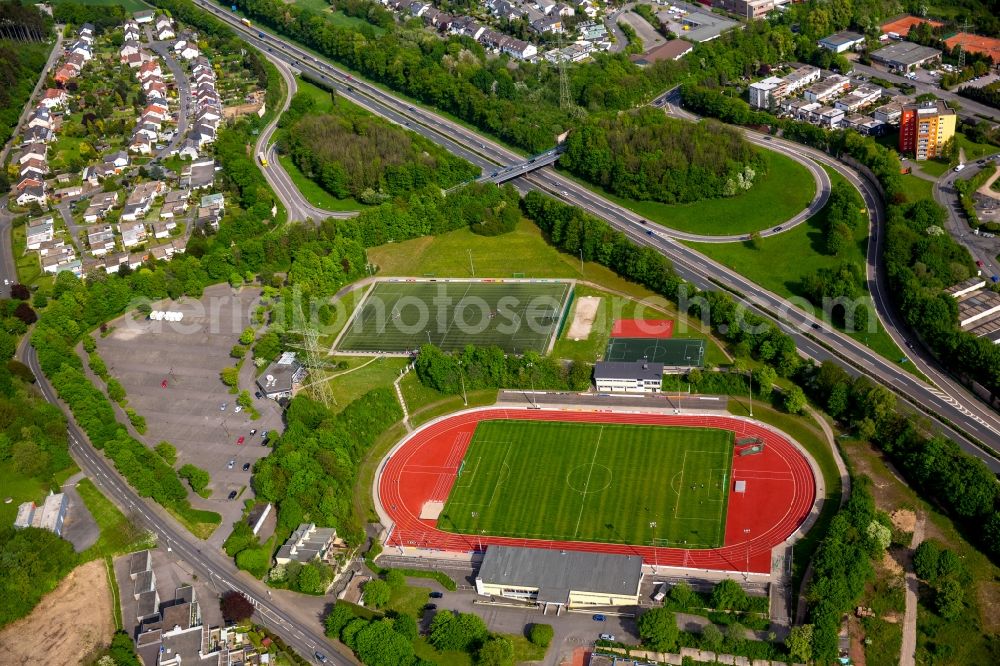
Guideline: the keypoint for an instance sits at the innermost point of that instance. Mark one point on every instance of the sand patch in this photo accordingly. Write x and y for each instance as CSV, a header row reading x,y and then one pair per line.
x,y
584,315
904,520
890,564
431,510
70,623
988,593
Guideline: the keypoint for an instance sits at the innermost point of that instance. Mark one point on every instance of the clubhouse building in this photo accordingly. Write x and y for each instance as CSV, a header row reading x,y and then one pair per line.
x,y
560,578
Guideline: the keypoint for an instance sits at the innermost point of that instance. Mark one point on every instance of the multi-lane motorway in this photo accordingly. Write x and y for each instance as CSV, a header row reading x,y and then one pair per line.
x,y
814,338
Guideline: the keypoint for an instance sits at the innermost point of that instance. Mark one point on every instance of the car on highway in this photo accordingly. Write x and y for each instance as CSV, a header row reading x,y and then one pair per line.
x,y
777,229
240,440
599,618
607,637
320,657
232,495
979,262
231,463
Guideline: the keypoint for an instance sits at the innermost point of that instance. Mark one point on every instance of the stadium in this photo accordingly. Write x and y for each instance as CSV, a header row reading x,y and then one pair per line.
x,y
693,491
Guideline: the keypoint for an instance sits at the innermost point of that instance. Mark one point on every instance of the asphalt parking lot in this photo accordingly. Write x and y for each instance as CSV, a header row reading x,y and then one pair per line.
x,y
170,371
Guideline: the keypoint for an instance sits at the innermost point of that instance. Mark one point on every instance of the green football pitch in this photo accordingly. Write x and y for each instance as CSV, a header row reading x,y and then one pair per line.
x,y
642,485
401,316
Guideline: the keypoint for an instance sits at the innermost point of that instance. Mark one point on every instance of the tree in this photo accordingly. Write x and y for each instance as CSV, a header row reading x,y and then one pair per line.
x,y
235,607
395,578
24,312
376,593
496,651
925,560
541,634
379,645
457,631
167,451
795,400
247,336
682,595
949,598
658,629
728,595
230,376
405,625
765,381
337,619
711,638
799,643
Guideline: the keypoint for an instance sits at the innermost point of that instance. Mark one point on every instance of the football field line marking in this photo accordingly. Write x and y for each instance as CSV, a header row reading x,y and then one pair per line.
x,y
586,485
454,315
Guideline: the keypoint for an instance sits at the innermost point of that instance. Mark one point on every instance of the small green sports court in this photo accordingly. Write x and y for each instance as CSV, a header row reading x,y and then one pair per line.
x,y
672,353
398,316
612,483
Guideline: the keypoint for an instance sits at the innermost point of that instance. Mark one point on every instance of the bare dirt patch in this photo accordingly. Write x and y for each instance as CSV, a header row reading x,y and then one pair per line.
x,y
904,520
71,622
988,593
584,315
890,565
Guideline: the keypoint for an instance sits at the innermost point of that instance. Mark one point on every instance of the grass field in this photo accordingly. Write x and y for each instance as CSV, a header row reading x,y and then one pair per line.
x,y
594,482
129,5
805,243
401,316
786,190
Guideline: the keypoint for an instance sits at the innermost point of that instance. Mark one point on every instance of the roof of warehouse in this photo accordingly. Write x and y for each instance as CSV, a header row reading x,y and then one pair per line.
x,y
561,570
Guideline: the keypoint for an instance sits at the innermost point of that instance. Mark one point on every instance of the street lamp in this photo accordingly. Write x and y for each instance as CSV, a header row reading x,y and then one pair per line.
x,y
461,375
751,394
531,378
746,575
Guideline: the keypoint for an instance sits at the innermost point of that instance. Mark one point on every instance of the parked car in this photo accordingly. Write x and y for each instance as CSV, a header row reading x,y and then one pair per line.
x,y
258,395
230,464
232,495
223,407
430,606
436,595
253,431
607,637
599,618
246,467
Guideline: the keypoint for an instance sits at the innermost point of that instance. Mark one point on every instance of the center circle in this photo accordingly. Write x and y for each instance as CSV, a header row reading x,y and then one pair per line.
x,y
589,478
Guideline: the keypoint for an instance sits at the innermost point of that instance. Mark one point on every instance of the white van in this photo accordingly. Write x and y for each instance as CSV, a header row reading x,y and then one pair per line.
x,y
959,168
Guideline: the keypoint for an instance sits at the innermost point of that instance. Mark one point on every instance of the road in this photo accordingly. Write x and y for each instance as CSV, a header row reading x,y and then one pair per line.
x,y
982,248
300,632
184,103
949,403
969,108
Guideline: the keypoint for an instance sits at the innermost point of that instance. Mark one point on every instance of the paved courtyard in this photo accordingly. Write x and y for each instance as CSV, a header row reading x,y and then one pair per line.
x,y
187,411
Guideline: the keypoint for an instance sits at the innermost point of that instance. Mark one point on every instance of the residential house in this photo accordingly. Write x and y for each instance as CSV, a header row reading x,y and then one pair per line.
x,y
34,168
162,228
30,195
99,206
38,134
128,48
69,191
33,151
38,232
164,28
144,16
133,60
49,516
518,48
133,233
187,50
827,88
306,544
101,240
118,160
189,149
54,98
551,24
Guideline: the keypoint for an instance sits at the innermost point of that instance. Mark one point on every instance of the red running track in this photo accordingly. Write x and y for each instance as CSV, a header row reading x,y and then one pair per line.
x,y
780,491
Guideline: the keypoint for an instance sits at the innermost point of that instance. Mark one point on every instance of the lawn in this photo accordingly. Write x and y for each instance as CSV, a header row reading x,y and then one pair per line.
x,y
364,374
401,316
973,151
612,307
932,167
118,533
769,265
785,191
917,188
20,488
649,485
29,266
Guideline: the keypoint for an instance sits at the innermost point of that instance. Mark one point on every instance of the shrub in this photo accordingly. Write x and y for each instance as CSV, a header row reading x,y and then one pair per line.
x,y
541,634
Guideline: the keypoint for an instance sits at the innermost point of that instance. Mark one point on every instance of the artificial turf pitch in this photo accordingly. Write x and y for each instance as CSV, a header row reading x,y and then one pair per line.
x,y
401,316
635,484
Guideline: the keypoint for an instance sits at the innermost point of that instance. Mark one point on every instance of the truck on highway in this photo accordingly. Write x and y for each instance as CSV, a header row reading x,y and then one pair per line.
x,y
263,160
245,22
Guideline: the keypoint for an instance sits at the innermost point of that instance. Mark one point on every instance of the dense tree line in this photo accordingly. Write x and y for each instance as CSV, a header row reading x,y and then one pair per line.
x,y
574,231
20,65
483,207
351,153
311,473
33,561
936,467
647,155
842,566
103,17
988,95
945,574
22,21
490,367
